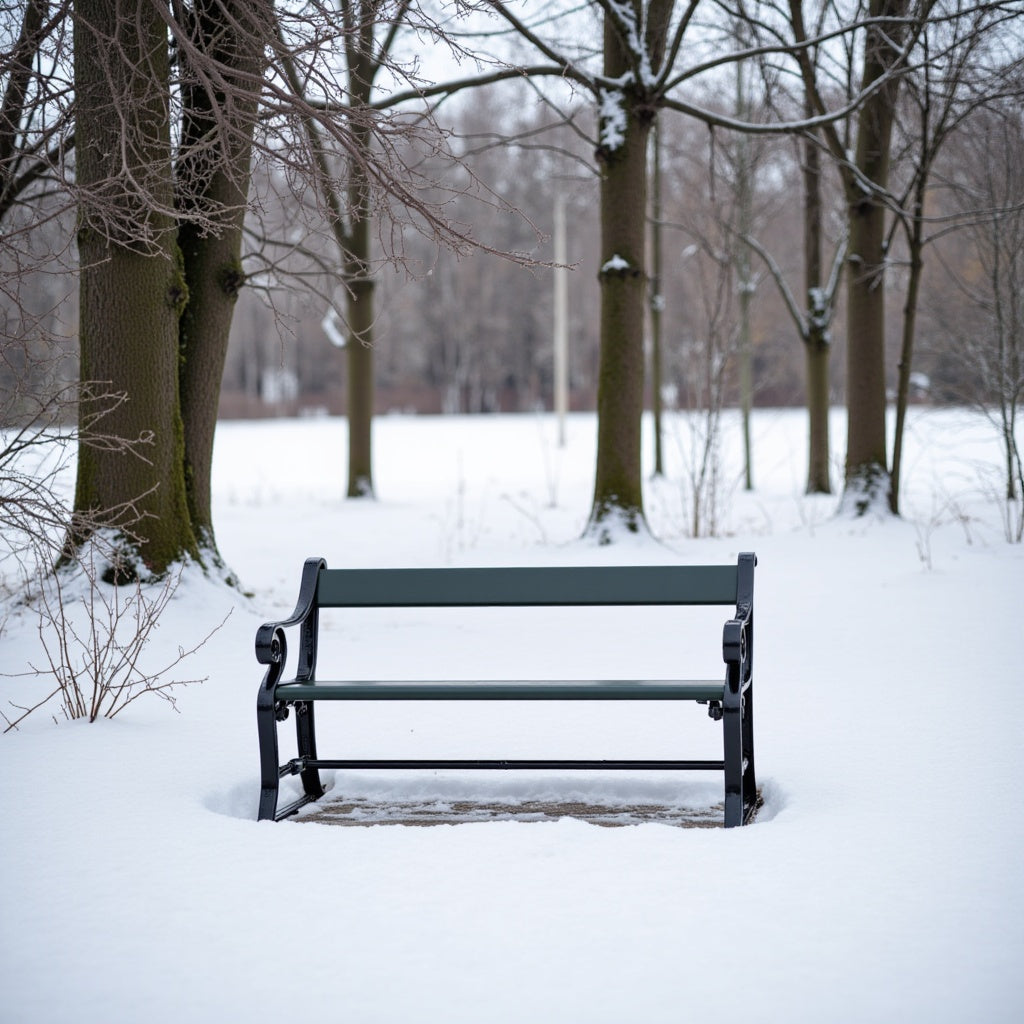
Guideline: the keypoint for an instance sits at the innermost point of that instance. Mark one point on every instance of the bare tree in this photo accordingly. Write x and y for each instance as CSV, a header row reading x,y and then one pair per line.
x,y
173,101
44,431
813,311
132,289
970,58
371,30
891,29
711,346
220,47
35,126
351,190
987,184
813,320
651,57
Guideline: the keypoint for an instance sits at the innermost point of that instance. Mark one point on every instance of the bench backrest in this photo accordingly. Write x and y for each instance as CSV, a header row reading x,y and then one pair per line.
x,y
525,586
507,587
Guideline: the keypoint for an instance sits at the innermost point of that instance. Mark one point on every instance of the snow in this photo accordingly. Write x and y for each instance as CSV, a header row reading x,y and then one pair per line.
x,y
331,326
615,263
612,117
820,312
881,880
626,17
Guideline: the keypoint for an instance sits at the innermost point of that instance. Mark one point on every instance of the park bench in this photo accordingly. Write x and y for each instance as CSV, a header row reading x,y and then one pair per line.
x,y
729,698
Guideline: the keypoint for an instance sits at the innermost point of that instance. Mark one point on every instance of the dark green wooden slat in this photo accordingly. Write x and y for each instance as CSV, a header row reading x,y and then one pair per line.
x,y
524,586
535,689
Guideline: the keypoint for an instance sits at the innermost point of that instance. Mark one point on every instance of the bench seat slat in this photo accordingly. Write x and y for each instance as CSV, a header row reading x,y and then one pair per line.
x,y
503,689
519,586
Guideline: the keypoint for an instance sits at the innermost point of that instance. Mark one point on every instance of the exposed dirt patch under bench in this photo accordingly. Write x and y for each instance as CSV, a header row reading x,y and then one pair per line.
x,y
374,811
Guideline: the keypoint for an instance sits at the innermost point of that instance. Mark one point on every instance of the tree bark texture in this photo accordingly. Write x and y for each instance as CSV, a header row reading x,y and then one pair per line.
x,y
360,293
744,202
657,301
359,352
916,245
131,286
817,347
350,215
816,360
625,124
364,63
223,70
867,476
18,68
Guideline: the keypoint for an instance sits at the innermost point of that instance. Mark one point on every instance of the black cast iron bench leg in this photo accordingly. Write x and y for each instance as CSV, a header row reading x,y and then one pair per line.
x,y
749,779
732,728
266,726
738,740
305,739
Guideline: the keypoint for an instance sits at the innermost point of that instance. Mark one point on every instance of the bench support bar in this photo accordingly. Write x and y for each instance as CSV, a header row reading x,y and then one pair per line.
x,y
299,765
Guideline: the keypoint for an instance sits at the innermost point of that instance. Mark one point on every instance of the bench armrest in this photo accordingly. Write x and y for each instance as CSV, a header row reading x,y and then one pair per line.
x,y
738,633
271,648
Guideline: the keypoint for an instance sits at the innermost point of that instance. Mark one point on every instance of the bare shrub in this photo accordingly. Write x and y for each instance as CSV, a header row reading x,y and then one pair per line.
x,y
98,612
94,631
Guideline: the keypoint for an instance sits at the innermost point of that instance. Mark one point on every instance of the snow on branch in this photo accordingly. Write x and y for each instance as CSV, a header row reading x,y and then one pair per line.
x,y
634,35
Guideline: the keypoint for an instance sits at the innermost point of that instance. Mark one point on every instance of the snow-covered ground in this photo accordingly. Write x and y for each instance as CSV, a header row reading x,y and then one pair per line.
x,y
882,880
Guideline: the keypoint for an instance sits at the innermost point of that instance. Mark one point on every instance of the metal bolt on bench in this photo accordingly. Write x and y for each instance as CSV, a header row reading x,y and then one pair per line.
x,y
729,700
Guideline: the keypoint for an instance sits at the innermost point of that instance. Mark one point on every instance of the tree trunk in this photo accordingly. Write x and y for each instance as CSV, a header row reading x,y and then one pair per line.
x,y
745,354
916,245
817,348
364,63
817,352
131,288
744,202
657,302
867,476
18,68
212,185
622,158
359,352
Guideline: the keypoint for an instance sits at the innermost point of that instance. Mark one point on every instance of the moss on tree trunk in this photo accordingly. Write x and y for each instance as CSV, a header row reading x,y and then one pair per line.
x,y
131,287
212,185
